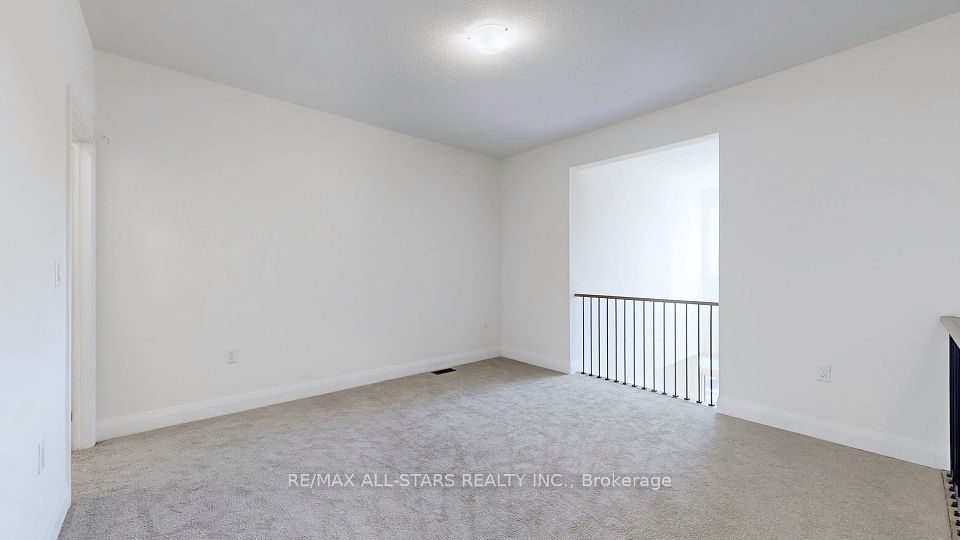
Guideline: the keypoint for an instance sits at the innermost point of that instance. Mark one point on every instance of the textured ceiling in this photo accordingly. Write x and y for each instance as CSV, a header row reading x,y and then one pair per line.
x,y
578,65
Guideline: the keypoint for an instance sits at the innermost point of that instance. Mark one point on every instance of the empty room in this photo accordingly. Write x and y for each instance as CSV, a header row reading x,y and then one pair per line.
x,y
432,269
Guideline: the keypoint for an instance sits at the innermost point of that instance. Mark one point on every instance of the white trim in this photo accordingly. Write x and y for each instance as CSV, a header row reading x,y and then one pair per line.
x,y
55,522
81,280
865,439
117,426
535,359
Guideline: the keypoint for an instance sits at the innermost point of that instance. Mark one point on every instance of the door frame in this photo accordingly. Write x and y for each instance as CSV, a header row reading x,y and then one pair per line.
x,y
81,280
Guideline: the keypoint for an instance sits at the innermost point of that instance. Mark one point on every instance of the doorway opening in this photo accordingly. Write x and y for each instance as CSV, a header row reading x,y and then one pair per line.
x,y
645,269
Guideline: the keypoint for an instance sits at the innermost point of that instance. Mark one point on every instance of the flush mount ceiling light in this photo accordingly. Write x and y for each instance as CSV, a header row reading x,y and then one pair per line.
x,y
490,38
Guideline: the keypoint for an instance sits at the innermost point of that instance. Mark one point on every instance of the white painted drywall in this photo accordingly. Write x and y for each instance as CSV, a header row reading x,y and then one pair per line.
x,y
45,50
841,187
320,247
637,224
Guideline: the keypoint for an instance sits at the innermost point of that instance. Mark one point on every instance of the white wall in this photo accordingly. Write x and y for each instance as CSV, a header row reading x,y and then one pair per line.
x,y
44,49
841,188
637,224
329,252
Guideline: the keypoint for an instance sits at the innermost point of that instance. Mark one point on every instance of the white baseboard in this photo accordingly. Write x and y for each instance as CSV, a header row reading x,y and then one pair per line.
x,y
53,525
535,359
118,426
865,439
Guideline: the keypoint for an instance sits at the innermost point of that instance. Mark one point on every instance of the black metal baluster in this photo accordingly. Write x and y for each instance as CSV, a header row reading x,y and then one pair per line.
x,y
591,336
624,381
643,340
634,336
699,381
583,336
653,345
607,310
599,339
711,356
675,349
616,342
686,352
663,318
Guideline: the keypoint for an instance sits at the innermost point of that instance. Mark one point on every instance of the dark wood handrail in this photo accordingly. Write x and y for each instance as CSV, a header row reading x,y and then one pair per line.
x,y
640,299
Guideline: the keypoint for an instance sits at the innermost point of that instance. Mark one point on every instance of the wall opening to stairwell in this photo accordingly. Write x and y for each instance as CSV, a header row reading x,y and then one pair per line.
x,y
646,225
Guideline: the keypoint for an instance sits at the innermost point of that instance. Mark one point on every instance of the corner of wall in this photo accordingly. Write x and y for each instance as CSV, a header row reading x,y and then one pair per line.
x,y
539,360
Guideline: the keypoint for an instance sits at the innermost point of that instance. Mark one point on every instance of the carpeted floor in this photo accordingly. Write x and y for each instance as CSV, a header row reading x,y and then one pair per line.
x,y
228,477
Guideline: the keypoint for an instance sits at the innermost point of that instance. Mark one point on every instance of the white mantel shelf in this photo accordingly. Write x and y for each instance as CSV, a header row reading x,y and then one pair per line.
x,y
952,325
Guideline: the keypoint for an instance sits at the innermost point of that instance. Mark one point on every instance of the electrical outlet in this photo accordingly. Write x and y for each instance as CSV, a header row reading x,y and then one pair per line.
x,y
823,373
486,324
233,355
41,456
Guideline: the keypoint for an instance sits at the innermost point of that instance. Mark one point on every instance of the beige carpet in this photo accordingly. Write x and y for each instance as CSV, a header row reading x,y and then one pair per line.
x,y
228,477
